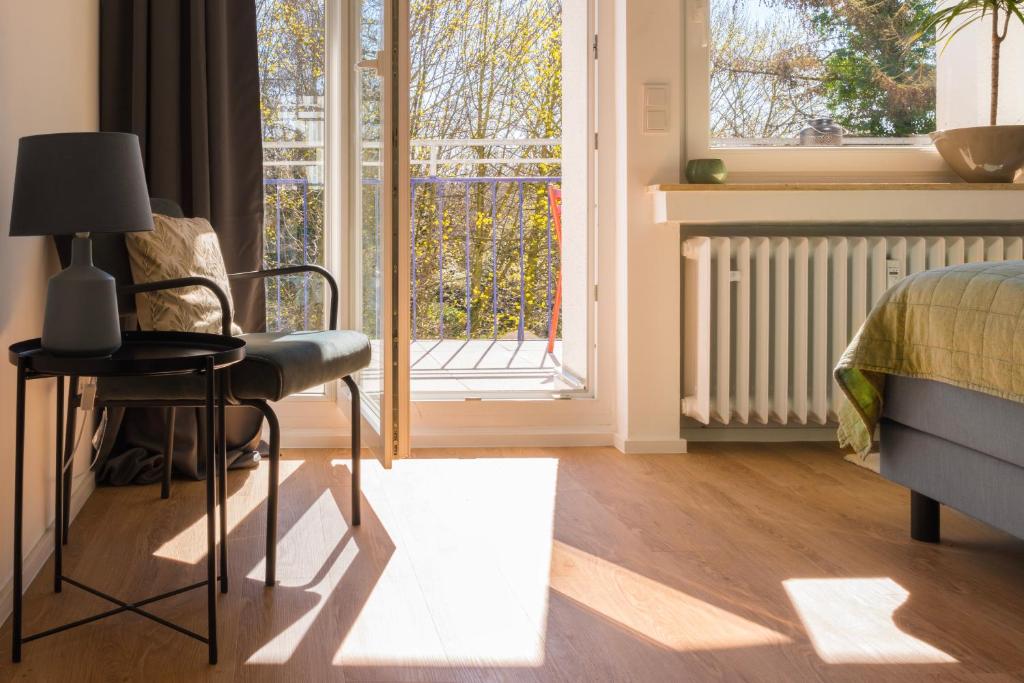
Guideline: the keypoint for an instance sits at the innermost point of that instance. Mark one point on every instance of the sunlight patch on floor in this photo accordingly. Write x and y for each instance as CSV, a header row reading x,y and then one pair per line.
x,y
850,621
394,626
311,548
473,536
308,545
651,609
190,544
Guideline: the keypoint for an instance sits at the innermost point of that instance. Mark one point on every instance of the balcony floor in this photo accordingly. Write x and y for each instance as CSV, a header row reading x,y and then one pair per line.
x,y
480,367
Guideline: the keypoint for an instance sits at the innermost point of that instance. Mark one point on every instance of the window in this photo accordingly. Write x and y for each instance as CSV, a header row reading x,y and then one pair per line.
x,y
819,72
291,51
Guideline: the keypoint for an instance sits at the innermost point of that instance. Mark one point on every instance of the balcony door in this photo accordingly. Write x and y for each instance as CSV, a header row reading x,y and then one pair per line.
x,y
378,276
437,155
501,147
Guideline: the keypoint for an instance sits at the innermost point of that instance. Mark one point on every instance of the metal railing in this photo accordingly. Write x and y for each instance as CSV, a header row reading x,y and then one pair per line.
x,y
489,188
279,248
451,168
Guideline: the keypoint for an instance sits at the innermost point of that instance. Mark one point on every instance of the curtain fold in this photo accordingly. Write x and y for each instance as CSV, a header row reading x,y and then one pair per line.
x,y
183,75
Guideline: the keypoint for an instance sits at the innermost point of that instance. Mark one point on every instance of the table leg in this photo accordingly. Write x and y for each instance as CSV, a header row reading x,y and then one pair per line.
x,y
165,485
69,453
211,515
273,484
58,490
222,478
19,485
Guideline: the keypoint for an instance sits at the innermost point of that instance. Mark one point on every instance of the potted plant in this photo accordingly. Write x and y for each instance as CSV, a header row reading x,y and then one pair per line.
x,y
979,154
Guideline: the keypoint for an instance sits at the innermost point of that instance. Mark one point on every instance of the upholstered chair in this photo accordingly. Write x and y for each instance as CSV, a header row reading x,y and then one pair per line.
x,y
277,365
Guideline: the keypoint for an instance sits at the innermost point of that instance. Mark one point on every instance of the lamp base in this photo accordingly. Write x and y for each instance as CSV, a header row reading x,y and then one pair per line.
x,y
81,308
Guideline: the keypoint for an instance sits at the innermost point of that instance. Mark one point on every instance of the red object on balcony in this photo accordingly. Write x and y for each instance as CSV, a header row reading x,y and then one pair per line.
x,y
555,204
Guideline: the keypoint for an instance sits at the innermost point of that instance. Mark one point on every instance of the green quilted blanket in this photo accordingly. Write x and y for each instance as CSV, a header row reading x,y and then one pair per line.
x,y
962,325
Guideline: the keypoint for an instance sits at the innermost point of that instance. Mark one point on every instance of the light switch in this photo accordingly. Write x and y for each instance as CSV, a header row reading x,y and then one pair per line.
x,y
656,95
656,110
655,121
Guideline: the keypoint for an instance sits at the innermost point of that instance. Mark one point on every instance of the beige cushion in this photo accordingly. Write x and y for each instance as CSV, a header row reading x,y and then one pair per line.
x,y
176,248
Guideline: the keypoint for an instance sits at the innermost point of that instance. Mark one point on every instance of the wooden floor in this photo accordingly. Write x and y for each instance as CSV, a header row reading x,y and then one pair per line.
x,y
755,563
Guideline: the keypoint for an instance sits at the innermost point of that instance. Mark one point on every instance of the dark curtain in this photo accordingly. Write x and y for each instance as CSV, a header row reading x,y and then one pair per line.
x,y
183,75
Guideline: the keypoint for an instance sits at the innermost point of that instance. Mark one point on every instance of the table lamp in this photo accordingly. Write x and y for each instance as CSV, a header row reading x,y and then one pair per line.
x,y
77,184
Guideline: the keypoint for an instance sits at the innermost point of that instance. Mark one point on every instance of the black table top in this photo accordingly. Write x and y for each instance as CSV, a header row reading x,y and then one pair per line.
x,y
141,353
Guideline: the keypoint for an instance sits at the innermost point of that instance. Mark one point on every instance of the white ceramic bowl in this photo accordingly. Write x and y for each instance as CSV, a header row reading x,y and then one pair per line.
x,y
983,154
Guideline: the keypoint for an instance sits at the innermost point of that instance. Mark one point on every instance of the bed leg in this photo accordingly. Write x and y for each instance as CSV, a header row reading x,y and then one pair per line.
x,y
924,518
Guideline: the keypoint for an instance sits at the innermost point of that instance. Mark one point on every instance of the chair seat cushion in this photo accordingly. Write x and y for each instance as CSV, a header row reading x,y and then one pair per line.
x,y
276,365
279,364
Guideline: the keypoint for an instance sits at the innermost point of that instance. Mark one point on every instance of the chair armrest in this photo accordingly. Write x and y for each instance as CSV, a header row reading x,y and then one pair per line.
x,y
292,270
225,306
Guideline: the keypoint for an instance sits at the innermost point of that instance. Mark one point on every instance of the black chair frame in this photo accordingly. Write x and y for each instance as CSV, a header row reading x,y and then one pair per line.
x,y
228,399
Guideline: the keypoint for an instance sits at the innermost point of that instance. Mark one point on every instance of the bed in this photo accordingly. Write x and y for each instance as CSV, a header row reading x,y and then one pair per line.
x,y
938,369
957,447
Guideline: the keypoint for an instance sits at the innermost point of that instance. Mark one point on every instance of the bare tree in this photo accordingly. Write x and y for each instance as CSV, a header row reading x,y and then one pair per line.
x,y
480,69
765,73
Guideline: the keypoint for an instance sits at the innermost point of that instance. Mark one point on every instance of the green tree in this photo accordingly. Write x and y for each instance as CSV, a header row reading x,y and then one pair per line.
x,y
483,69
291,49
765,75
480,69
777,63
873,84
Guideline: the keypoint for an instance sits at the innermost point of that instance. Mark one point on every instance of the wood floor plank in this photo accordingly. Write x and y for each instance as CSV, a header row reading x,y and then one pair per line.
x,y
749,562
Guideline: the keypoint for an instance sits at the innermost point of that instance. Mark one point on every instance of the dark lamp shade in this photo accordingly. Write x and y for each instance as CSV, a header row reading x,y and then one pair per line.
x,y
79,182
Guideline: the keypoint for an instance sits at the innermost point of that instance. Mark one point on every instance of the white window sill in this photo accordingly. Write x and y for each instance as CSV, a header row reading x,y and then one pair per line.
x,y
833,203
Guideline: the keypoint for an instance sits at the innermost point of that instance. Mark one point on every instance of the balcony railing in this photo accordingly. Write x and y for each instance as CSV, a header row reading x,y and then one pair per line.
x,y
277,252
490,192
484,256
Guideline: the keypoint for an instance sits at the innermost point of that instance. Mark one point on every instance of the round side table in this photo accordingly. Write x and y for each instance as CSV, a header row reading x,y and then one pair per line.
x,y
142,354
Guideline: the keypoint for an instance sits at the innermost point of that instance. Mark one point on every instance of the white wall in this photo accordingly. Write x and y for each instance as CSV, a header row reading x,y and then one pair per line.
x,y
965,101
49,82
647,47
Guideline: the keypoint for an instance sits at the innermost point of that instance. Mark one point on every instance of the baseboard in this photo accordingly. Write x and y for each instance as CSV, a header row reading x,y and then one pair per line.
x,y
650,445
762,434
302,437
486,437
36,558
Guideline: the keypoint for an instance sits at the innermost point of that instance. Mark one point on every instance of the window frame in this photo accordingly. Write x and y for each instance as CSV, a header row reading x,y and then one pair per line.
x,y
818,164
294,407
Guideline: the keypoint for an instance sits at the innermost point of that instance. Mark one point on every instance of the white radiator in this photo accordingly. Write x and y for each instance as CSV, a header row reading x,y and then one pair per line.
x,y
766,319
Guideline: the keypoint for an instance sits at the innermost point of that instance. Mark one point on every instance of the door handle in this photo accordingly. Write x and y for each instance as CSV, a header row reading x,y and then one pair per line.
x,y
371,64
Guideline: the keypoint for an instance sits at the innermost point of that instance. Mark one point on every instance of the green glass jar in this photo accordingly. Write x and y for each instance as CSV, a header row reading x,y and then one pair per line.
x,y
706,171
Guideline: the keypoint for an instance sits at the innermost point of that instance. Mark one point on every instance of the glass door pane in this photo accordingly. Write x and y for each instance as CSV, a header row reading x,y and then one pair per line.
x,y
376,226
291,35
500,152
368,176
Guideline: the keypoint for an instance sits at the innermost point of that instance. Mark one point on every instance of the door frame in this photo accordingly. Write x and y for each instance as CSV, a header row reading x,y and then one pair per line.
x,y
582,419
322,421
387,431
401,237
